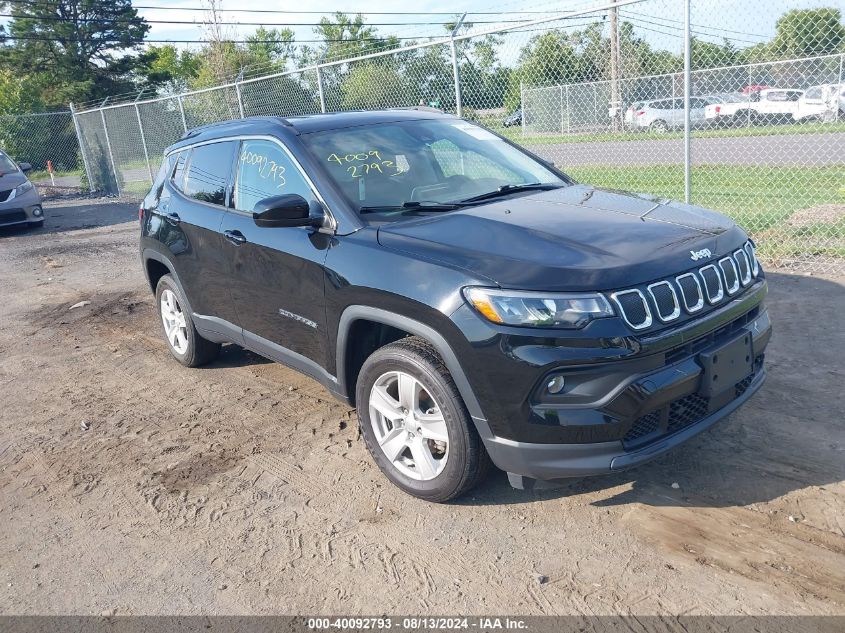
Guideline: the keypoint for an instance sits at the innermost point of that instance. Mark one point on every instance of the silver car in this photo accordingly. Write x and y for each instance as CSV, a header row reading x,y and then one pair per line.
x,y
19,200
662,115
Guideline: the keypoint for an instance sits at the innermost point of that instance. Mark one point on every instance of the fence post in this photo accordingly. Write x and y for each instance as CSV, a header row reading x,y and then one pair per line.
x,y
240,99
82,151
560,99
182,112
568,113
320,90
144,143
111,156
687,80
455,72
522,109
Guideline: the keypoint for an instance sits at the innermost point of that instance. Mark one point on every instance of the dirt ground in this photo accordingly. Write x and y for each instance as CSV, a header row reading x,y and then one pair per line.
x,y
132,485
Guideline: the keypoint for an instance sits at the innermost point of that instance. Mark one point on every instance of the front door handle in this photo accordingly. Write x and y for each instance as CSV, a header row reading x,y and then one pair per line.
x,y
235,237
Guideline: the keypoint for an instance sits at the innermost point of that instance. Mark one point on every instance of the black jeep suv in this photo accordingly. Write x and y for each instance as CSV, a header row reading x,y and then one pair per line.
x,y
473,302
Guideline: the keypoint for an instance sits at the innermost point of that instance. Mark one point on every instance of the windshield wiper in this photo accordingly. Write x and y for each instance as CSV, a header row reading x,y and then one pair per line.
x,y
508,189
413,206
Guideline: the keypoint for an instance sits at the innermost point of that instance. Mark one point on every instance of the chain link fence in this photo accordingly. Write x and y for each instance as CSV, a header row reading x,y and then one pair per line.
x,y
48,142
598,91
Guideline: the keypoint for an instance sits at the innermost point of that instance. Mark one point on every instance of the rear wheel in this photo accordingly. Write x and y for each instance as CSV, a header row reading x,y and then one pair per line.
x,y
660,126
183,340
415,424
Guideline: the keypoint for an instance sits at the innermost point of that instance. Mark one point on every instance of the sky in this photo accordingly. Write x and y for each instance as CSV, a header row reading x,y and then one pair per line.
x,y
659,21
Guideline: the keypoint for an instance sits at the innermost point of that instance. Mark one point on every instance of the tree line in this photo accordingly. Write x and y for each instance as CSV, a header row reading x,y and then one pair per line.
x,y
57,51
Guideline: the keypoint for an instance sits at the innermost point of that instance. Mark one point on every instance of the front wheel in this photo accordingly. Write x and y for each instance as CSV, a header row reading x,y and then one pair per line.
x,y
415,424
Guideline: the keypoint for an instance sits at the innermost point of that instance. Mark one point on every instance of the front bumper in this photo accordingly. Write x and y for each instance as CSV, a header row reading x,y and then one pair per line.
x,y
625,409
557,461
23,209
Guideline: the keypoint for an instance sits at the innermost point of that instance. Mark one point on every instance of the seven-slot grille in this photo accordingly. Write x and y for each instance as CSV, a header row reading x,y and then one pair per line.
x,y
667,299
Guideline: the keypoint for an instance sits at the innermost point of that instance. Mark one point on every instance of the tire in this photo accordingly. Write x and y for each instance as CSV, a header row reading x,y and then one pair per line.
x,y
659,126
444,472
184,343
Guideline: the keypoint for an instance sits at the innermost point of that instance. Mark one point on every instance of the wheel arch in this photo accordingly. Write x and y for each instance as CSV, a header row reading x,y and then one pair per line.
x,y
357,313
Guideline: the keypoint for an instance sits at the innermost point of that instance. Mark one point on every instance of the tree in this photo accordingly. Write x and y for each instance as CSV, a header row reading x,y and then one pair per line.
x,y
808,32
369,86
82,49
167,69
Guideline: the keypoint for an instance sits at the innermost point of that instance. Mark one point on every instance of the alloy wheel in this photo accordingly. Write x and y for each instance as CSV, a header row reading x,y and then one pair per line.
x,y
409,426
175,325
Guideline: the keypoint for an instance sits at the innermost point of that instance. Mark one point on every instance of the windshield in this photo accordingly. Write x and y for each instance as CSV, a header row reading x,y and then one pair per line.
x,y
390,169
7,165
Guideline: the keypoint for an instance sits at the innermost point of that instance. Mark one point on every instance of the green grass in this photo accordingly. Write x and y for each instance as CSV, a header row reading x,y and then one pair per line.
x,y
759,198
515,133
43,175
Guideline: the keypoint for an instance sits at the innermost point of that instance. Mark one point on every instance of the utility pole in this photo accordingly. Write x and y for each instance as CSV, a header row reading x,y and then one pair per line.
x,y
615,106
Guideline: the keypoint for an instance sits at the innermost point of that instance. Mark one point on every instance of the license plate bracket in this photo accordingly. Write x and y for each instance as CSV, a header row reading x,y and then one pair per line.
x,y
726,364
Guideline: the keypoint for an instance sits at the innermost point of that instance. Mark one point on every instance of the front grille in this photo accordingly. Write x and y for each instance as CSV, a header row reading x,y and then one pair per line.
x,y
691,292
665,300
669,299
688,410
634,308
16,215
712,283
643,427
731,277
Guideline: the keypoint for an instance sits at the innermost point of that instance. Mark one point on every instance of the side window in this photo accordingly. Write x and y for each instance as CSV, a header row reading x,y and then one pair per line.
x,y
264,170
179,171
814,93
208,172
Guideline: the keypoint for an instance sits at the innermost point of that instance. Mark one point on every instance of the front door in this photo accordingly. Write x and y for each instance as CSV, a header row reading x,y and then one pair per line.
x,y
277,273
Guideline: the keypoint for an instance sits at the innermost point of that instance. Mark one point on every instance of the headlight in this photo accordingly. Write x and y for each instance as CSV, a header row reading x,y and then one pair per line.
x,y
538,309
20,190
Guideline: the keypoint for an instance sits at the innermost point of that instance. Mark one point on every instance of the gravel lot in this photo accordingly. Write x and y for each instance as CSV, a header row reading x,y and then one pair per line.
x,y
244,488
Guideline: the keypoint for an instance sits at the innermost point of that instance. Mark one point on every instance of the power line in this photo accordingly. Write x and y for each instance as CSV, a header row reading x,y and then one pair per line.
x,y
58,18
698,26
455,13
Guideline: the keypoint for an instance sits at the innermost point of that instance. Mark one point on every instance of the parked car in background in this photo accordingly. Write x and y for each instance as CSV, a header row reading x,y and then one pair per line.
x,y
19,200
661,115
772,105
825,102
513,119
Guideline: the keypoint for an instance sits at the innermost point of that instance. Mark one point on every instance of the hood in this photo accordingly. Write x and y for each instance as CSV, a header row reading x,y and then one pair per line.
x,y
11,179
573,238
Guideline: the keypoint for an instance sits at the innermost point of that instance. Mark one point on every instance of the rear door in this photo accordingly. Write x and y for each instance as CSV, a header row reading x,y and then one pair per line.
x,y
277,272
190,228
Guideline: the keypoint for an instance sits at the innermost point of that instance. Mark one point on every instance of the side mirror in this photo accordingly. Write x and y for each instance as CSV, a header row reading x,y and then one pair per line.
x,y
25,167
286,210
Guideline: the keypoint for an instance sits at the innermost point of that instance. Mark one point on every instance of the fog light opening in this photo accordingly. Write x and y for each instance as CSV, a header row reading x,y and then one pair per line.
x,y
556,384
37,212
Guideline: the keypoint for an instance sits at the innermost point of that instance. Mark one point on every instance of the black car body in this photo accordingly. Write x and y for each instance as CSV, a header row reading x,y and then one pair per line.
x,y
682,347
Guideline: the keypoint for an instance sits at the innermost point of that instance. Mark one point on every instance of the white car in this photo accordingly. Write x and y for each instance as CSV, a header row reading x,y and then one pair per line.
x,y
821,103
772,105
661,115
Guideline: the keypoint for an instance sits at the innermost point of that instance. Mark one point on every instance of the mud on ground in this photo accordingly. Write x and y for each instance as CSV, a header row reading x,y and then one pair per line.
x,y
244,488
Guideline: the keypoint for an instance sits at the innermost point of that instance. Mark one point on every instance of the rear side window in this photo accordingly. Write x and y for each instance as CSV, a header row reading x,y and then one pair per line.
x,y
179,171
208,171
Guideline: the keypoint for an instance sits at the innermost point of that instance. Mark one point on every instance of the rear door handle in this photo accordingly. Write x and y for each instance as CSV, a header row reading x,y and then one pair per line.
x,y
235,237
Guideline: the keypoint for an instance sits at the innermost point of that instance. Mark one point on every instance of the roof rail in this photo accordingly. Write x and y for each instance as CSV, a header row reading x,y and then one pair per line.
x,y
421,108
